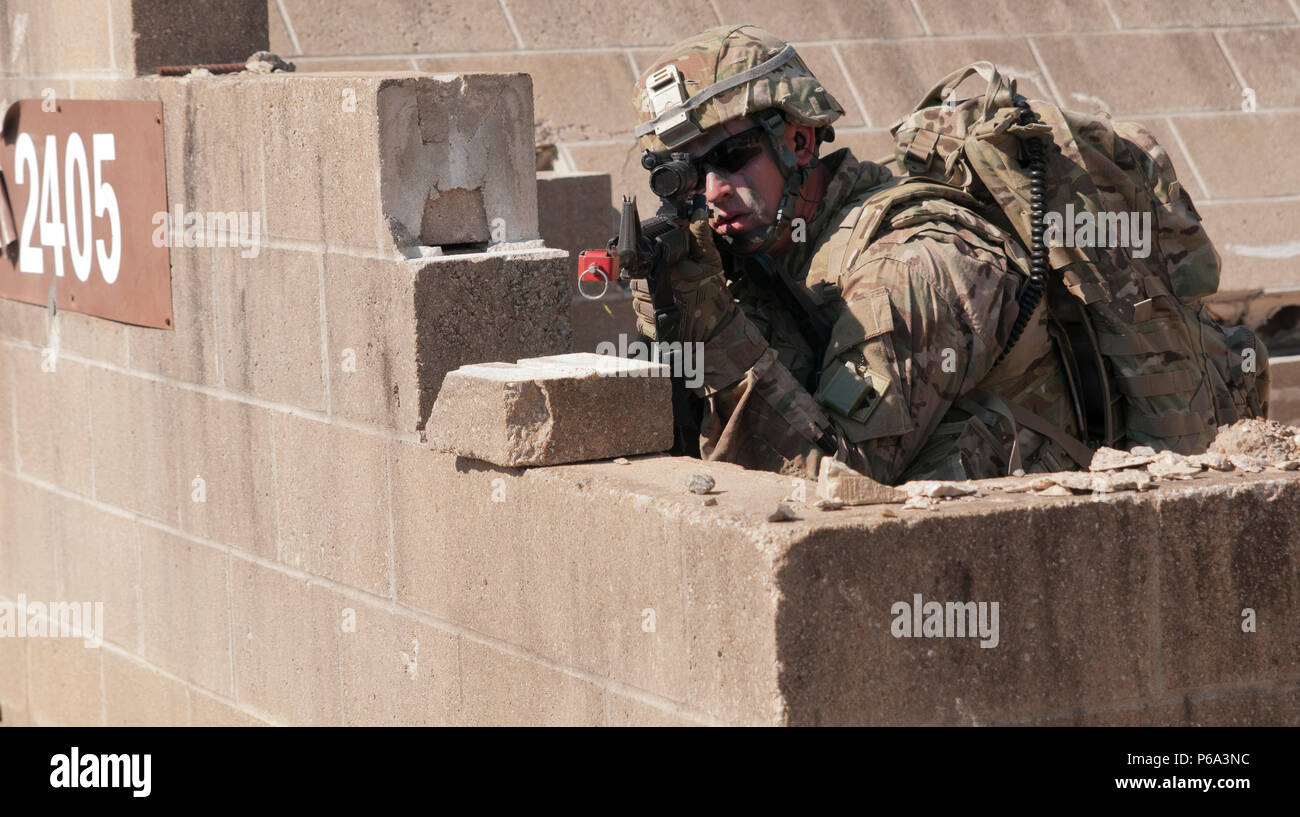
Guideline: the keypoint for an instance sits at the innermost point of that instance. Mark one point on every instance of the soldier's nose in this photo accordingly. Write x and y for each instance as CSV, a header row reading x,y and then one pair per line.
x,y
716,186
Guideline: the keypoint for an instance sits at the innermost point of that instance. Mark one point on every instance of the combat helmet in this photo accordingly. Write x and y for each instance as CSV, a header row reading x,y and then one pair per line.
x,y
730,72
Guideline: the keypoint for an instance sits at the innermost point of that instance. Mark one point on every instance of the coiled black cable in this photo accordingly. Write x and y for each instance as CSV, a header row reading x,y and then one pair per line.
x,y
1038,268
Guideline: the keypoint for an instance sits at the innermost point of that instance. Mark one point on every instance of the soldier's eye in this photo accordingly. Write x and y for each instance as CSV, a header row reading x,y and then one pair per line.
x,y
734,153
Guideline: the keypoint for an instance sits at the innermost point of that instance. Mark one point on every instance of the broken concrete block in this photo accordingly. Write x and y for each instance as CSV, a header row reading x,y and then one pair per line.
x,y
1169,465
573,211
552,410
1110,459
938,488
837,482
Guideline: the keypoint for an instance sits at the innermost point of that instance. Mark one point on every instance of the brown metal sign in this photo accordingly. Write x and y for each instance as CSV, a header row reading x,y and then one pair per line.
x,y
81,189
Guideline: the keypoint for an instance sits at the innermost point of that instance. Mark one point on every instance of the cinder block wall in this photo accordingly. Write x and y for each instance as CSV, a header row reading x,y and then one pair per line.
x,y
1183,69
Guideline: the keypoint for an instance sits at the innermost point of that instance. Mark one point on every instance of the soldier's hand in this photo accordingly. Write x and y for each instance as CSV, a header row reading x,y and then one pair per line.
x,y
699,288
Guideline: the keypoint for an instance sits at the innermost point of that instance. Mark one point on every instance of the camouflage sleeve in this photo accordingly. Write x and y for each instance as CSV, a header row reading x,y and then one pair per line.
x,y
924,315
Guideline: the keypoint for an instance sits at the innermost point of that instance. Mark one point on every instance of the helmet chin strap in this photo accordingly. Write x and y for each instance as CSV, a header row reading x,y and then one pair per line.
x,y
792,175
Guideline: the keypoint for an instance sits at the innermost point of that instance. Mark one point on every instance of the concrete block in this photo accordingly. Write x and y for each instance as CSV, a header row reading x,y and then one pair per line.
x,y
137,695
8,426
545,411
1187,71
60,37
185,608
24,322
1076,632
1170,13
226,472
345,65
53,414
602,320
473,163
213,166
620,616
99,561
334,519
893,76
394,27
1257,53
188,351
321,151
64,683
625,711
602,110
1217,142
13,682
396,671
278,34
530,294
371,325
1251,239
1014,16
219,31
91,337
269,325
134,428
26,559
286,648
506,690
573,212
623,163
1220,554
826,19
1284,385
544,25
207,710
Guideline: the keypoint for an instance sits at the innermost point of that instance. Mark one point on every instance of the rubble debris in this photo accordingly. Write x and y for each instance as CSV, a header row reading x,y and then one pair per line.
x,y
1142,451
1112,459
1056,490
838,482
699,483
1127,480
781,513
264,62
1169,465
935,488
710,500
1267,439
1287,465
921,503
890,512
1212,460
1248,464
824,504
622,461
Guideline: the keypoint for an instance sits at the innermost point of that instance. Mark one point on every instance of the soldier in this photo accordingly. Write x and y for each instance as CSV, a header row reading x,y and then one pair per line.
x,y
883,353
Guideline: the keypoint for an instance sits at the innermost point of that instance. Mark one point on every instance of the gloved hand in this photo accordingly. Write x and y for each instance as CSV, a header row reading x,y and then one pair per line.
x,y
699,287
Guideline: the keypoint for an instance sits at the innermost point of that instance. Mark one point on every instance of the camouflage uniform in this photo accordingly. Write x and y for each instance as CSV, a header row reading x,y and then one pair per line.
x,y
922,311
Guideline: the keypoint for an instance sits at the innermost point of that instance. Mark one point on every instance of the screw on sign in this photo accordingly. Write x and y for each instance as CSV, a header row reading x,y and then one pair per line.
x,y
81,186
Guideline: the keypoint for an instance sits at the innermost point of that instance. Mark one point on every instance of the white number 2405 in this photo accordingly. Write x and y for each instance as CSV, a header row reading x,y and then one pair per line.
x,y
76,234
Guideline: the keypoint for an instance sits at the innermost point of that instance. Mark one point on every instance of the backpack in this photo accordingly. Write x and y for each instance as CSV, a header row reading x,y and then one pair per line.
x,y
1146,361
